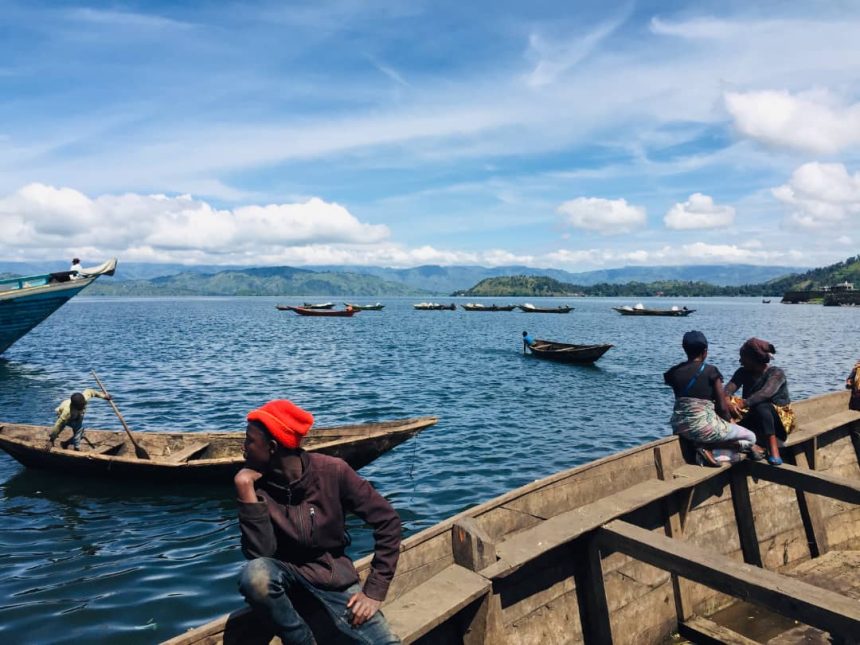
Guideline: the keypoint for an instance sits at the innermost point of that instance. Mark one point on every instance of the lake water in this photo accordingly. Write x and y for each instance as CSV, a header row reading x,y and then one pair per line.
x,y
90,561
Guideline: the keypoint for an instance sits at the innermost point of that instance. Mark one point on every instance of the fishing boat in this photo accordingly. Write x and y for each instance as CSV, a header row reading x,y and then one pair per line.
x,y
566,353
529,308
27,301
192,456
322,305
640,310
609,551
434,306
377,307
479,307
327,313
765,301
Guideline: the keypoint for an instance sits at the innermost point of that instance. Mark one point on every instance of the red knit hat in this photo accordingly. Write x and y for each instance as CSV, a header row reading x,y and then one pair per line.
x,y
286,421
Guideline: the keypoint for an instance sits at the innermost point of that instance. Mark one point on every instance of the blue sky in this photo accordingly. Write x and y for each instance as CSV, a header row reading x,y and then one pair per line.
x,y
571,135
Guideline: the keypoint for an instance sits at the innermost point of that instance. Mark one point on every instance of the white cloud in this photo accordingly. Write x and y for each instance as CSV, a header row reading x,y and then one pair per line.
x,y
821,195
45,217
606,216
699,211
812,122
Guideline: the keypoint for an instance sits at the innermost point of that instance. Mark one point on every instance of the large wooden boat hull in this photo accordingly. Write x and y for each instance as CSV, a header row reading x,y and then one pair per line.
x,y
565,353
320,313
590,554
26,302
489,307
676,313
192,456
545,310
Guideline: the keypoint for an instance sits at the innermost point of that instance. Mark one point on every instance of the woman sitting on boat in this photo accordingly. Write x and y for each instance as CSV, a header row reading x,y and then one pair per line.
x,y
702,410
766,403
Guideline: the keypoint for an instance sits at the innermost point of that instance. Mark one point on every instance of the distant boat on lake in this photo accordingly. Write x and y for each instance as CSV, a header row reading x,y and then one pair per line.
x,y
566,353
323,313
27,301
434,306
765,301
377,307
529,308
479,307
323,305
640,310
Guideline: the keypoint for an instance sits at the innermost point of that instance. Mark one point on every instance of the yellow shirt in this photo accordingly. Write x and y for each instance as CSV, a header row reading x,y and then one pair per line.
x,y
66,414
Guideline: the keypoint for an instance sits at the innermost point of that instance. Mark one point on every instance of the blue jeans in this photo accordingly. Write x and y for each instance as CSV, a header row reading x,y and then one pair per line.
x,y
265,582
78,430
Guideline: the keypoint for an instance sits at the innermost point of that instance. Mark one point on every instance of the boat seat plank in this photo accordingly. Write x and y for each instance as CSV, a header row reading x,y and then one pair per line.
x,y
811,429
108,447
186,453
707,632
809,481
433,602
531,543
788,596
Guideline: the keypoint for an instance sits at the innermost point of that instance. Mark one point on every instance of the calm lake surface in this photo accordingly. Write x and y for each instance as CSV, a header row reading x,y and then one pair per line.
x,y
97,562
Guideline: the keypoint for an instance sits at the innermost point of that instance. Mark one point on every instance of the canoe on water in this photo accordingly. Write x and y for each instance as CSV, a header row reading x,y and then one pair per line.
x,y
322,313
321,305
192,456
584,555
531,309
641,311
434,306
377,307
566,353
479,307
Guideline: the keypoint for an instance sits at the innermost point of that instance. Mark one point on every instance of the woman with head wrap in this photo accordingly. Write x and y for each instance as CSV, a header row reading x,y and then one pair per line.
x,y
765,396
702,412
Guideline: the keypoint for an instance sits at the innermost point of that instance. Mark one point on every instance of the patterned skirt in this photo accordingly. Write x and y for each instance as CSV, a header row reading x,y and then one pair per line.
x,y
697,420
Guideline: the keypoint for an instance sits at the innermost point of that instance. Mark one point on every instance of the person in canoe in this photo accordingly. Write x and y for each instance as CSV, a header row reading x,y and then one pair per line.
x,y
702,412
853,383
71,413
766,404
528,341
292,507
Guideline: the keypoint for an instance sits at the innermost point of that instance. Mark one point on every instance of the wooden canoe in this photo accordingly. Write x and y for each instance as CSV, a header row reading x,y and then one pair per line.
x,y
434,306
322,305
326,313
377,307
566,353
480,307
631,311
605,552
531,309
192,456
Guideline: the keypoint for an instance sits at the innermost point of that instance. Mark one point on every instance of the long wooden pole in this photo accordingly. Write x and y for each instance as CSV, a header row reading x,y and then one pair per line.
x,y
139,451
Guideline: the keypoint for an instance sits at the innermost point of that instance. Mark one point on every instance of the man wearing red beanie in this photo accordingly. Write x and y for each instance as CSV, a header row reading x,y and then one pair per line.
x,y
292,507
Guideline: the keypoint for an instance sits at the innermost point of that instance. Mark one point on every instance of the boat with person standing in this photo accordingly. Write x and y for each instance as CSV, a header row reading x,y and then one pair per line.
x,y
28,300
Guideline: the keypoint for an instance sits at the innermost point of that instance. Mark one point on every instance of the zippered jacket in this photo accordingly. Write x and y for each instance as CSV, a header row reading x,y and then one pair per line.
x,y
302,523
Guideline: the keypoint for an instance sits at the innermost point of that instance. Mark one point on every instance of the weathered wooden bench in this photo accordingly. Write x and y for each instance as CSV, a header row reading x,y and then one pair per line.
x,y
186,453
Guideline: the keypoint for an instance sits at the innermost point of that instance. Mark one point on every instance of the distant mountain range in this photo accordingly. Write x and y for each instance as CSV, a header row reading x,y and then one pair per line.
x,y
143,279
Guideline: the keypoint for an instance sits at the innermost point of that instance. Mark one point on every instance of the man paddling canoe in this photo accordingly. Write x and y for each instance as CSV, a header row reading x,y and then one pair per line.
x,y
71,413
292,507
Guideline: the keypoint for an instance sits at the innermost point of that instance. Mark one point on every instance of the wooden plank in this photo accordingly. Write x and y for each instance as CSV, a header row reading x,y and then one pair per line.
x,y
810,507
706,632
591,593
790,597
186,453
809,481
101,450
674,529
819,426
744,518
527,545
471,545
433,602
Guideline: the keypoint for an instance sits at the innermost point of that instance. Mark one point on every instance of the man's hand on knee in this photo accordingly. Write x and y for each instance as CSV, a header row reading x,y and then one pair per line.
x,y
363,608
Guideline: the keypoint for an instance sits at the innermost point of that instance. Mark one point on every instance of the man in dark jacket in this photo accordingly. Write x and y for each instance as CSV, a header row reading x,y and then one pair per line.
x,y
292,507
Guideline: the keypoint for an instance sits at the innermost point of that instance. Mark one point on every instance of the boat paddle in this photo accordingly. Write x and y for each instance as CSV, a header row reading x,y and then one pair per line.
x,y
139,451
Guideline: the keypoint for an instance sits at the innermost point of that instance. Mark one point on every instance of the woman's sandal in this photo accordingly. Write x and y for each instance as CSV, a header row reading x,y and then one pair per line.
x,y
706,458
774,460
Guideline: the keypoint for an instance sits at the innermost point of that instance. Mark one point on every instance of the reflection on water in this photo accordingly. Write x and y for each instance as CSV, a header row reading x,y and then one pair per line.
x,y
86,560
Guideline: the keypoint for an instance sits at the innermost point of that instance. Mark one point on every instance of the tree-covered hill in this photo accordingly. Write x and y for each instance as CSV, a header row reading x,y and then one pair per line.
x,y
818,278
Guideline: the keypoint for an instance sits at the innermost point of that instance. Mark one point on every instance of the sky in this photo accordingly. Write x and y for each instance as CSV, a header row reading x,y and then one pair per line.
x,y
571,135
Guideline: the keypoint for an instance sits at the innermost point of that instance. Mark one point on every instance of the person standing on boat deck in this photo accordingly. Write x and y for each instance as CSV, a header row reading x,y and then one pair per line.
x,y
702,410
765,396
76,271
292,507
71,413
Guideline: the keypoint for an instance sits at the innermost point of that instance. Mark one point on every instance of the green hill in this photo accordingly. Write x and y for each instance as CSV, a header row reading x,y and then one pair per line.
x,y
520,285
269,281
818,278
